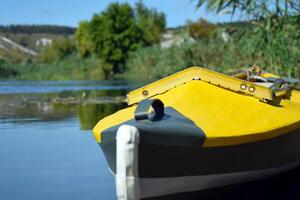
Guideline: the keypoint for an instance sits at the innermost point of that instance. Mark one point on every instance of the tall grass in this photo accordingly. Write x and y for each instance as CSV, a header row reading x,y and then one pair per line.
x,y
277,51
70,68
154,62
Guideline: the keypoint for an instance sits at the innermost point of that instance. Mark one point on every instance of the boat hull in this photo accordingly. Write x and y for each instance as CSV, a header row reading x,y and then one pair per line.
x,y
197,130
154,188
156,169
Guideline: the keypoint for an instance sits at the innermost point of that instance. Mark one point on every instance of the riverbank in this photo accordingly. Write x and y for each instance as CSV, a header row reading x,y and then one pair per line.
x,y
152,63
69,68
226,48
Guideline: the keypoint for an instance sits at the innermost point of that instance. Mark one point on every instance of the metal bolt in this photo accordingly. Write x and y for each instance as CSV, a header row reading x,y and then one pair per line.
x,y
243,86
251,89
145,92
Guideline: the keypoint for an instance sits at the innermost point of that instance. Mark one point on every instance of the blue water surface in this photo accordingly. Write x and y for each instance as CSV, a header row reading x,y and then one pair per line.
x,y
47,150
25,87
52,160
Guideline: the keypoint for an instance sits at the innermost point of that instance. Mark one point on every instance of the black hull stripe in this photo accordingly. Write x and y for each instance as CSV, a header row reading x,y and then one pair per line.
x,y
165,186
173,161
172,147
175,130
283,186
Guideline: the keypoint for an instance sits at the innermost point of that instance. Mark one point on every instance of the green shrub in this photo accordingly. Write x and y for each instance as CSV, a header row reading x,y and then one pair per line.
x,y
70,68
59,49
280,56
5,71
201,29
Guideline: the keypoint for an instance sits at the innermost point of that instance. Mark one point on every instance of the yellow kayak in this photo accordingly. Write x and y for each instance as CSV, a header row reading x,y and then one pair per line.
x,y
198,129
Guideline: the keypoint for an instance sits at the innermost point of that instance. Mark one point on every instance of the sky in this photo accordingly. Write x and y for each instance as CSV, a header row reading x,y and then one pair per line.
x,y
71,12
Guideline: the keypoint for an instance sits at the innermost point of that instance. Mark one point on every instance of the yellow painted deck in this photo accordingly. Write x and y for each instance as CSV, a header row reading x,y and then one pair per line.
x,y
226,117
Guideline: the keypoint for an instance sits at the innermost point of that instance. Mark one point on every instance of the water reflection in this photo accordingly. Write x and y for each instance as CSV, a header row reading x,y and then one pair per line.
x,y
90,114
88,106
47,150
30,87
45,155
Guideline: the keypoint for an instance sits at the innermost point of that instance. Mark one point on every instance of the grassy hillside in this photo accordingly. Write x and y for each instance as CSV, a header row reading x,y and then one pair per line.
x,y
29,37
20,49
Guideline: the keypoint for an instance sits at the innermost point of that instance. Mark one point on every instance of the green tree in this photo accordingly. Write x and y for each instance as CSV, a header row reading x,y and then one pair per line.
x,y
113,34
151,22
84,43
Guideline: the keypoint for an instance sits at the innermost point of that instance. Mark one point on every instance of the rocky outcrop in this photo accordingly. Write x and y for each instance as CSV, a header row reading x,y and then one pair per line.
x,y
9,45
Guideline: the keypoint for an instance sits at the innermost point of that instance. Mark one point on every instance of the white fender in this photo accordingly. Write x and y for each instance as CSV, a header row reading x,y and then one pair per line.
x,y
127,180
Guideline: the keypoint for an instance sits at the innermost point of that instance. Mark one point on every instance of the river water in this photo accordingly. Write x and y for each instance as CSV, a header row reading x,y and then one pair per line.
x,y
47,150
